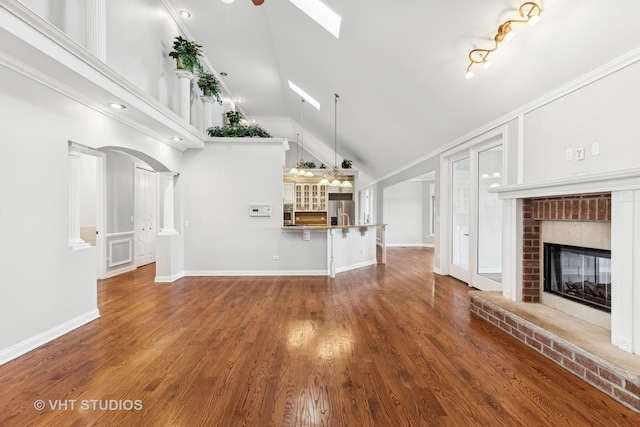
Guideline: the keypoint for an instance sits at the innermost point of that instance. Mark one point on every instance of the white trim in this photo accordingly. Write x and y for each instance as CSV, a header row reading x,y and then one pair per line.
x,y
55,44
212,273
119,271
42,338
356,266
595,75
621,180
127,261
169,279
124,233
410,245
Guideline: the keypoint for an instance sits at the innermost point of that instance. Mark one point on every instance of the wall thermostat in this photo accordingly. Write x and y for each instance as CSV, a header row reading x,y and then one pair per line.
x,y
260,210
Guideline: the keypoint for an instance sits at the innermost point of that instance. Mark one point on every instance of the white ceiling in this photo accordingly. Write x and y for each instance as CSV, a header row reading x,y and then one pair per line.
x,y
399,67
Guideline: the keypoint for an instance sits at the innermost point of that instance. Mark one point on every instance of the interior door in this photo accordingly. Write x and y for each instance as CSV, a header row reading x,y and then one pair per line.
x,y
145,212
460,217
487,274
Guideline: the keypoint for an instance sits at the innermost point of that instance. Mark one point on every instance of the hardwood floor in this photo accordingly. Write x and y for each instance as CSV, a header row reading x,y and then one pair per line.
x,y
379,346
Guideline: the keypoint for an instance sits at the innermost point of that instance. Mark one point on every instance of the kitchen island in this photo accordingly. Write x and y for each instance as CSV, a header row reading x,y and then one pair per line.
x,y
348,246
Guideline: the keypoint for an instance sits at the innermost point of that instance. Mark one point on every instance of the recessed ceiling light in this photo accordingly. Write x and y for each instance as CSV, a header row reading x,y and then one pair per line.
x,y
117,106
185,13
176,138
228,1
320,13
304,95
239,100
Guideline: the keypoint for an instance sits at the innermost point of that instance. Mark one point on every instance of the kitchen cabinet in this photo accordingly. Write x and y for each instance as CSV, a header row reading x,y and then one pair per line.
x,y
310,197
288,195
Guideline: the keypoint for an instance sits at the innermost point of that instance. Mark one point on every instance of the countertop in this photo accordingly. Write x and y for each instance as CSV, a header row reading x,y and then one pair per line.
x,y
328,227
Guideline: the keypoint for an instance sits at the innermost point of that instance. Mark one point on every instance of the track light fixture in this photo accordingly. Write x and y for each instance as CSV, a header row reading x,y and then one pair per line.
x,y
529,12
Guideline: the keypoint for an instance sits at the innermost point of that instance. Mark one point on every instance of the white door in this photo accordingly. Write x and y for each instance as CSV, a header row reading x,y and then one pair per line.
x,y
460,211
145,212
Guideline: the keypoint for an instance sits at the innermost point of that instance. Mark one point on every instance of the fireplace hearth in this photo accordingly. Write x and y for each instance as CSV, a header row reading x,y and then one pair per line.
x,y
580,274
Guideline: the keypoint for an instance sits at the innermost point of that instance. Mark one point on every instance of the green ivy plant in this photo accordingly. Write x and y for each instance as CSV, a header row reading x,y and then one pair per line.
x,y
209,85
238,131
234,117
186,54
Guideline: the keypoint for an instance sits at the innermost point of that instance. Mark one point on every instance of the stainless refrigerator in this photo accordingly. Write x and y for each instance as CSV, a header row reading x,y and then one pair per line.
x,y
341,209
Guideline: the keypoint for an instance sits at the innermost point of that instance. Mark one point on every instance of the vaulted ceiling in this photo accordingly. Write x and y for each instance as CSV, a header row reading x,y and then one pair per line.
x,y
399,67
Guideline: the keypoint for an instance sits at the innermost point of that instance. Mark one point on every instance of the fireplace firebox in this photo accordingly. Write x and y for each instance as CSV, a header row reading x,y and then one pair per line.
x,y
579,274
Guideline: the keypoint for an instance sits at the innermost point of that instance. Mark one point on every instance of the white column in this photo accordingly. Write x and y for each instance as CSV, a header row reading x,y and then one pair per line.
x,y
185,93
96,28
207,111
168,218
512,249
75,241
625,270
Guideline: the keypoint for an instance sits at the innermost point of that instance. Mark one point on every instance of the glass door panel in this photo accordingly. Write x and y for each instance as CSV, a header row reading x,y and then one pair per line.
x,y
489,215
460,214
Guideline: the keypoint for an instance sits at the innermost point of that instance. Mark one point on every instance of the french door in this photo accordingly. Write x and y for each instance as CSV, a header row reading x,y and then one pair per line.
x,y
475,216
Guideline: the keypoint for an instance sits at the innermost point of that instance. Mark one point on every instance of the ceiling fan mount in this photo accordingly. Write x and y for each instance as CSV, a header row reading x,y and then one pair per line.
x,y
257,2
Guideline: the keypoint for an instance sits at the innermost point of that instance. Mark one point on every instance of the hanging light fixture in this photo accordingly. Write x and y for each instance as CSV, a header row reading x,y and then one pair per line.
x,y
294,170
302,164
336,173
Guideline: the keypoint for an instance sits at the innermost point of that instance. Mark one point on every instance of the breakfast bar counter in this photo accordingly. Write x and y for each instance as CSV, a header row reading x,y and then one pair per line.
x,y
348,246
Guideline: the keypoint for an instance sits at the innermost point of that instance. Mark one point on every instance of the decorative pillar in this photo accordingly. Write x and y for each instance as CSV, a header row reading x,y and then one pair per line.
x,y
625,274
96,28
166,187
75,241
185,77
207,111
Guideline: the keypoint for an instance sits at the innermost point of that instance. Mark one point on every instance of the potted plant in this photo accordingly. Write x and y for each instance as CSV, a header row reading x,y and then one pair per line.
x,y
186,54
346,164
238,131
234,117
210,85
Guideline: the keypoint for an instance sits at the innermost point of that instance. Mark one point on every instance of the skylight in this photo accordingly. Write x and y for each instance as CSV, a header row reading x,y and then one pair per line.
x,y
320,13
304,95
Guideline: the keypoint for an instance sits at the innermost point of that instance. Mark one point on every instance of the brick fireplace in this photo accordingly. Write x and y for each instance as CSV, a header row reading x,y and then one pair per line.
x,y
599,211
573,208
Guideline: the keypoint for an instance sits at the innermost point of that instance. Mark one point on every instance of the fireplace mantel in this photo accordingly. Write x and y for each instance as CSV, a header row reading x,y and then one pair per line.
x,y
628,179
624,187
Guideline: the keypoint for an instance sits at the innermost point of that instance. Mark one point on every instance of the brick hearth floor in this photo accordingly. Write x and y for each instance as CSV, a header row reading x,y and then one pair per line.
x,y
586,351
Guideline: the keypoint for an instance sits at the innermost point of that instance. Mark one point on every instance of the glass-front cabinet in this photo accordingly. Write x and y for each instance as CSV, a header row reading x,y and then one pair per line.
x,y
311,197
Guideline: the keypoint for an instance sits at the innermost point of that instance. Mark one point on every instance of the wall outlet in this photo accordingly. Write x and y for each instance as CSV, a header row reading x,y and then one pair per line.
x,y
580,153
275,257
595,149
568,154
186,224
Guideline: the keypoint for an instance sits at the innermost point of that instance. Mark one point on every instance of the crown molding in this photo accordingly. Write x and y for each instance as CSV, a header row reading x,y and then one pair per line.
x,y
144,113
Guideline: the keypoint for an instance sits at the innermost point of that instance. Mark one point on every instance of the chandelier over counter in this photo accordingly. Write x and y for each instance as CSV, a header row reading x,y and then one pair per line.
x,y
335,173
529,12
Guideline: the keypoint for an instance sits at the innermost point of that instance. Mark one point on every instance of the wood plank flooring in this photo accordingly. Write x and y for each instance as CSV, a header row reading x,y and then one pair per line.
x,y
379,346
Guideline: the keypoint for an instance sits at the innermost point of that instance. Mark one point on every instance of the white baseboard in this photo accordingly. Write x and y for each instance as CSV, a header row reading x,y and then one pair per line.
x,y
169,279
437,271
354,266
119,271
42,338
207,273
409,245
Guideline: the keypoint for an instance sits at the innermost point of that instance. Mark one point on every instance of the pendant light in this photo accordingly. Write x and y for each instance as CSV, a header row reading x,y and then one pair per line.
x,y
294,169
336,182
301,170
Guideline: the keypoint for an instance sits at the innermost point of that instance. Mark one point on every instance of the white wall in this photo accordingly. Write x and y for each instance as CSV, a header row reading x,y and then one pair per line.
x,y
427,239
606,111
47,289
403,213
88,191
219,184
